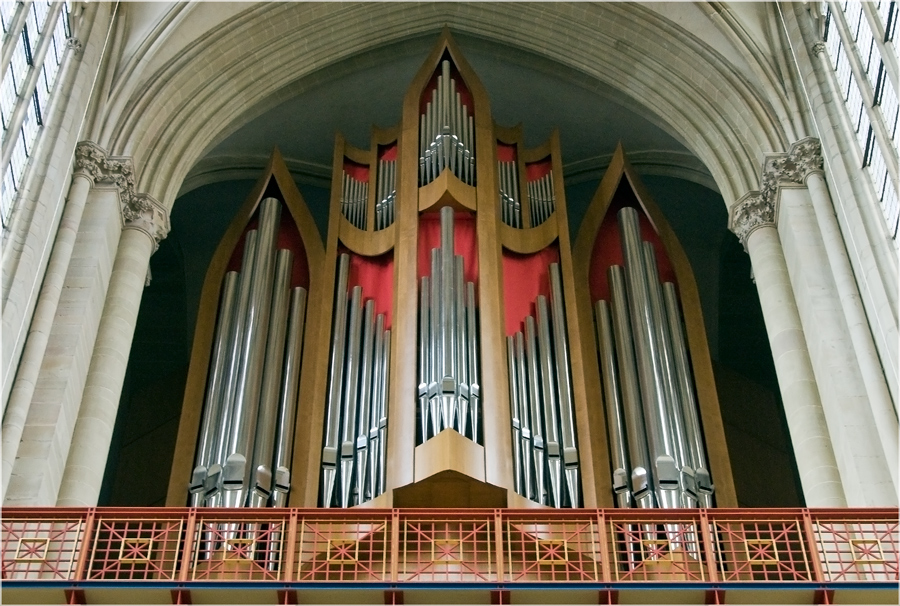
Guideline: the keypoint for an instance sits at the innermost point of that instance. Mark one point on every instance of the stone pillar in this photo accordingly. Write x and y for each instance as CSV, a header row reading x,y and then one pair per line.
x,y
752,219
146,223
852,388
803,165
91,167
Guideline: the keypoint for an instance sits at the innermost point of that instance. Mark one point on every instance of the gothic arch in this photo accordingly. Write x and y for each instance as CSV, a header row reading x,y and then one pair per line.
x,y
247,64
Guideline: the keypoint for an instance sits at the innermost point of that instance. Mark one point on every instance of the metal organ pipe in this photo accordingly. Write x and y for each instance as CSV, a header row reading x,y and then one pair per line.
x,y
335,382
212,411
236,475
287,407
694,433
252,393
542,407
641,473
614,416
446,132
264,444
653,419
356,416
448,388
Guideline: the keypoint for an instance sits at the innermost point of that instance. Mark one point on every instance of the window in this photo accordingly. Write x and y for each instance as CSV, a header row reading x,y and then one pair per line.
x,y
868,79
24,99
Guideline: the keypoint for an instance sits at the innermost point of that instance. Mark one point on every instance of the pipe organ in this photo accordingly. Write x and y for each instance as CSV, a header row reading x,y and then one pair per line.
x,y
448,391
246,431
658,454
448,344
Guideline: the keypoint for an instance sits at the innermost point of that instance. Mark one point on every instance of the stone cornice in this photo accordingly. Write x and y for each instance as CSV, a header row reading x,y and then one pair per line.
x,y
139,211
752,211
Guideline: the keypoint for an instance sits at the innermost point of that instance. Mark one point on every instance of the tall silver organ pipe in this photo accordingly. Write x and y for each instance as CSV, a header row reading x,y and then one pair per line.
x,y
542,199
545,451
354,200
212,410
385,200
264,445
615,418
446,133
353,454
287,409
252,391
510,204
648,385
448,344
237,473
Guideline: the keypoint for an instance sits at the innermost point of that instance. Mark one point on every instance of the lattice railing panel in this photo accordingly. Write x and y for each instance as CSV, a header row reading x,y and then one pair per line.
x,y
136,549
343,549
555,549
857,550
643,549
762,549
457,549
41,549
238,548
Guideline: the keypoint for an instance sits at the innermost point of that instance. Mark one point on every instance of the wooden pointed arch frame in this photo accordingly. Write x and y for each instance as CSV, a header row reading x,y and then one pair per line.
x,y
276,173
698,345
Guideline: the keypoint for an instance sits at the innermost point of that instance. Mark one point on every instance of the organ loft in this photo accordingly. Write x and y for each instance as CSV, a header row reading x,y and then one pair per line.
x,y
450,344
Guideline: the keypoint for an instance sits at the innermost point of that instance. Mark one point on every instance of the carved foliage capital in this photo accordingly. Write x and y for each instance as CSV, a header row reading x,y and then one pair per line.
x,y
818,47
752,211
75,44
92,161
804,159
145,214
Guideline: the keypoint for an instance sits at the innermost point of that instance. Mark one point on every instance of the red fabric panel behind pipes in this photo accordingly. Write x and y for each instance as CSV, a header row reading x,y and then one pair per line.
x,y
608,248
536,170
524,278
376,276
288,237
463,243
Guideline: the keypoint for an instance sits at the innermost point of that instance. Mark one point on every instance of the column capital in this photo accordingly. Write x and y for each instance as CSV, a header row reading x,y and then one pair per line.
x,y
143,213
752,211
818,47
804,159
139,211
92,161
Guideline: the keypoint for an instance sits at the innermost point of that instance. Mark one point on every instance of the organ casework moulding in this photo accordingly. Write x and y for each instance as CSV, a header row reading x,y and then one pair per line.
x,y
452,355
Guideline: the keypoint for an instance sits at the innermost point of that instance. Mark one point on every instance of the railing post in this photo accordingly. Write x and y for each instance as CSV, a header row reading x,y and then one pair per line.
x,y
289,547
395,545
812,547
603,548
87,545
190,531
498,542
709,547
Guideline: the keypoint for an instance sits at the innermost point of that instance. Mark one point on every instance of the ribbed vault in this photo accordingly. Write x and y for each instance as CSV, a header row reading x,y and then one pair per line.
x,y
246,65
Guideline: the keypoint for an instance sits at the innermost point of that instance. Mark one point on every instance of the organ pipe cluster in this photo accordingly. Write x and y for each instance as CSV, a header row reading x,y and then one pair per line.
x,y
656,442
387,193
448,391
246,435
353,456
545,453
446,133
510,203
542,199
354,200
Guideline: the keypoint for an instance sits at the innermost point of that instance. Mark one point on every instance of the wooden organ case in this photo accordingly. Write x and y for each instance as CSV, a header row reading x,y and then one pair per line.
x,y
450,355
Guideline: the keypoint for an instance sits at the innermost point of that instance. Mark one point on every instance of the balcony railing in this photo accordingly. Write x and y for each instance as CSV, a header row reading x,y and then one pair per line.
x,y
502,548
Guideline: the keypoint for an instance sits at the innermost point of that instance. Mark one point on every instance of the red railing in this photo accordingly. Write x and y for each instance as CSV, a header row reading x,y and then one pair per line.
x,y
496,547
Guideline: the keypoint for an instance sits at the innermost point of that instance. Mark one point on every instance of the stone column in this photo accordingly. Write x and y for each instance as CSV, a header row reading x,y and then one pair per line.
x,y
92,166
804,165
752,219
146,223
